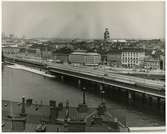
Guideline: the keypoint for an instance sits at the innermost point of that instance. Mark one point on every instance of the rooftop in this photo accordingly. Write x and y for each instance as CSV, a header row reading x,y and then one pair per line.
x,y
133,49
84,53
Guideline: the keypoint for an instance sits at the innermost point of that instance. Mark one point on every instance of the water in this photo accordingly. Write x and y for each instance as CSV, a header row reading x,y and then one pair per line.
x,y
18,83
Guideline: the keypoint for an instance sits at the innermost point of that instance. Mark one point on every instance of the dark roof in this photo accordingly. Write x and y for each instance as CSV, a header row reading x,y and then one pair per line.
x,y
133,49
114,51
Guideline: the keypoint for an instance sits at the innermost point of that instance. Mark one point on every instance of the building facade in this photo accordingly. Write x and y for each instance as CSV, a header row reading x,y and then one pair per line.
x,y
162,62
114,58
92,59
77,57
132,57
151,63
9,51
84,58
61,57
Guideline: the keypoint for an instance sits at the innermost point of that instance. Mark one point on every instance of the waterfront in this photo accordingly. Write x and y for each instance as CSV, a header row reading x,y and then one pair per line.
x,y
18,83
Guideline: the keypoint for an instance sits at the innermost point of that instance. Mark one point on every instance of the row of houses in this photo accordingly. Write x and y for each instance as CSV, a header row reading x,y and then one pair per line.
x,y
10,50
135,58
127,57
77,57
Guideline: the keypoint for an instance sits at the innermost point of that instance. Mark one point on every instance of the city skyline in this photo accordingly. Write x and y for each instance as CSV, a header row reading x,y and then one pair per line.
x,y
87,20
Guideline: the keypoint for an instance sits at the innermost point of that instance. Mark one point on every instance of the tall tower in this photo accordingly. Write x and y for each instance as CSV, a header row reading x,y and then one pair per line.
x,y
106,35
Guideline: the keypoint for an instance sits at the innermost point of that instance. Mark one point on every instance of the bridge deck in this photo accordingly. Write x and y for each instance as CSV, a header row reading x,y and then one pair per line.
x,y
150,87
156,89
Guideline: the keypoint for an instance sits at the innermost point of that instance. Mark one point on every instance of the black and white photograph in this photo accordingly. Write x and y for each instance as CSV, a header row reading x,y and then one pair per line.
x,y
83,66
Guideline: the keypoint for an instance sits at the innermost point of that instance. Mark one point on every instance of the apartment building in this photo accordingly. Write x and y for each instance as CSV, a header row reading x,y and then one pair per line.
x,y
85,58
132,57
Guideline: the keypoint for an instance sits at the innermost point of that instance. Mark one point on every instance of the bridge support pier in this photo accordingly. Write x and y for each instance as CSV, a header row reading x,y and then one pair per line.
x,y
79,83
143,98
101,87
102,92
129,98
120,94
163,107
109,92
116,92
150,101
62,77
113,93
134,97
158,102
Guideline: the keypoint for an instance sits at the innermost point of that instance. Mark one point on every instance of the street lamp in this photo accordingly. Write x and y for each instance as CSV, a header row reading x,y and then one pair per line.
x,y
67,111
23,111
83,107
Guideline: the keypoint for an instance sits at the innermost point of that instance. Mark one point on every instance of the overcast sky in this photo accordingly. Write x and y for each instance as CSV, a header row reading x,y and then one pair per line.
x,y
84,19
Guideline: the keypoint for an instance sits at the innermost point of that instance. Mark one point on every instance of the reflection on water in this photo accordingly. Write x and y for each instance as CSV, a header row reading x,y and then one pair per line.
x,y
18,83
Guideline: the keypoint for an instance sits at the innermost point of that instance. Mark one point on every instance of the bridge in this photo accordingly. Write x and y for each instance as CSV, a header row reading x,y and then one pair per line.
x,y
146,87
150,87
